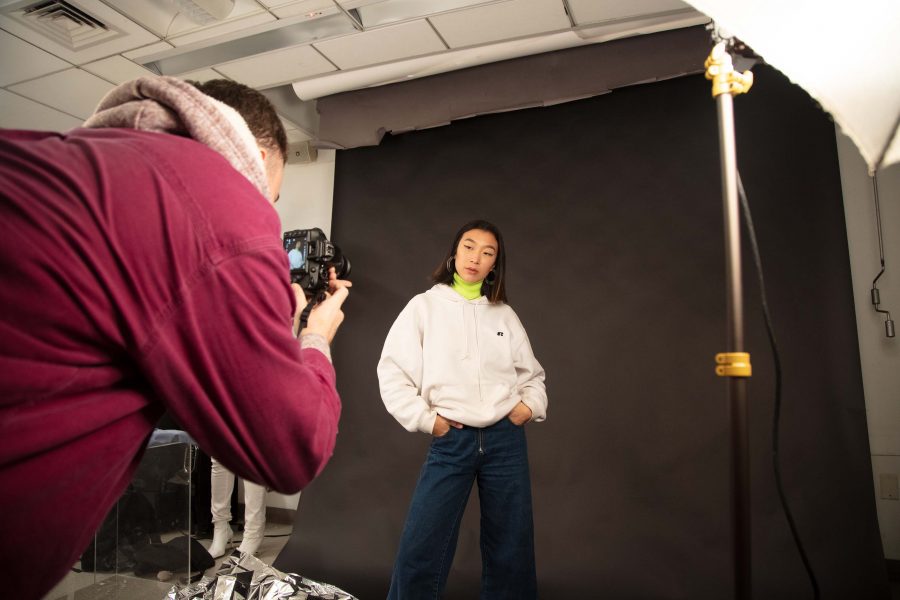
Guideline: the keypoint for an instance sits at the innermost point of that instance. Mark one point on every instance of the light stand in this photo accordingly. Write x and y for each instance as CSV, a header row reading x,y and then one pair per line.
x,y
876,293
735,363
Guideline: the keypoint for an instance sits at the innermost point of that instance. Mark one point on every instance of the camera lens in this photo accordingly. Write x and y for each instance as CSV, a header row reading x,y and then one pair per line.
x,y
341,264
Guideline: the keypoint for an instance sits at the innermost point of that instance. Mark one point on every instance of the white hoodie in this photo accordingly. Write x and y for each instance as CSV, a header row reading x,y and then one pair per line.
x,y
468,360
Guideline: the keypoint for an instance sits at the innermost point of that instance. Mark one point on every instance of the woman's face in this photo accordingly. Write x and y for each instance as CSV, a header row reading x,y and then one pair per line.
x,y
476,255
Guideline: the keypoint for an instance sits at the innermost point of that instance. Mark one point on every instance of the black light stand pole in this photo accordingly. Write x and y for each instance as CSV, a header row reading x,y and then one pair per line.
x,y
876,293
734,364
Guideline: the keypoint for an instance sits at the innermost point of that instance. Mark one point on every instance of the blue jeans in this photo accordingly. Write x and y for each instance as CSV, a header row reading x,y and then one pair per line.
x,y
497,458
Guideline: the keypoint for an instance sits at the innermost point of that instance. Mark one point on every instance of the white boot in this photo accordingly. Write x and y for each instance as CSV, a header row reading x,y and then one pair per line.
x,y
254,517
221,483
222,535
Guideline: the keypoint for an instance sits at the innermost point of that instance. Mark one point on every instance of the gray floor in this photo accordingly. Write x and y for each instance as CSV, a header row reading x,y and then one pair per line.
x,y
109,586
125,586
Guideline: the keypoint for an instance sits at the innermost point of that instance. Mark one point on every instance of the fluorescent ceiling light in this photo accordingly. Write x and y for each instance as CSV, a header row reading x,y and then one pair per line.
x,y
272,36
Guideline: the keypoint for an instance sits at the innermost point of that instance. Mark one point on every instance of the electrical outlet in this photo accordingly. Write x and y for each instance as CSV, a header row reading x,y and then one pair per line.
x,y
890,490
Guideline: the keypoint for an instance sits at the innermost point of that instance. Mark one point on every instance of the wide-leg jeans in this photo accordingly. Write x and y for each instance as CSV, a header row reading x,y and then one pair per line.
x,y
495,457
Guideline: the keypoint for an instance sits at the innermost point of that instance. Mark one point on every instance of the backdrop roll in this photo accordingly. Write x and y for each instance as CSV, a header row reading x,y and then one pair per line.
x,y
611,211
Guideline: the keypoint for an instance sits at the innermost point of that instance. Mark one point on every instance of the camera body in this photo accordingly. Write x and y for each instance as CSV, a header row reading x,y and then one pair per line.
x,y
311,255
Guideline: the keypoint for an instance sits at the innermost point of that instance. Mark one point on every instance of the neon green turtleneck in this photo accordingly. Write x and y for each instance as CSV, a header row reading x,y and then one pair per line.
x,y
469,291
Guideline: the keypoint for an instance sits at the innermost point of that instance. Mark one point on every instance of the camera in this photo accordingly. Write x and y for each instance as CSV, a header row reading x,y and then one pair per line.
x,y
311,255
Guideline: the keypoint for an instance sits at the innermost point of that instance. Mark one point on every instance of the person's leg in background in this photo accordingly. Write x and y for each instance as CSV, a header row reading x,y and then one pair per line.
x,y
221,485
254,517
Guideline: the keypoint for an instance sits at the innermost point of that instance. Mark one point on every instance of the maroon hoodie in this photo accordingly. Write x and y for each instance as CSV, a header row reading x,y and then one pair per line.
x,y
140,273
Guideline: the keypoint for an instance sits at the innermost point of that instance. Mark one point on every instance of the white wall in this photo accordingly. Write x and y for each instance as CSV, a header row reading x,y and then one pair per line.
x,y
880,356
306,194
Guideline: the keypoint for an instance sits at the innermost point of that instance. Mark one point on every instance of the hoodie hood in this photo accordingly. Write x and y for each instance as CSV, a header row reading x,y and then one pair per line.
x,y
465,318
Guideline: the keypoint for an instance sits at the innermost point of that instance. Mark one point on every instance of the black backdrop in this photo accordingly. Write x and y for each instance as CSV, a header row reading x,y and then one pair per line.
x,y
611,211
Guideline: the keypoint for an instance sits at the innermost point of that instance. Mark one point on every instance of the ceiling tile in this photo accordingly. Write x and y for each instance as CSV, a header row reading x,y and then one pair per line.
x,y
143,51
384,12
120,33
312,8
593,11
73,91
116,69
382,45
222,29
202,75
20,60
281,66
272,3
501,21
17,112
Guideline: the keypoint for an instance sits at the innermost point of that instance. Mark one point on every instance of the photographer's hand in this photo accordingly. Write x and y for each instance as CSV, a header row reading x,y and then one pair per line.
x,y
326,316
334,283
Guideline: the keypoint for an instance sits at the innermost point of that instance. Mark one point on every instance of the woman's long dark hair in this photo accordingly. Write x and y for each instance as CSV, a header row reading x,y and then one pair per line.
x,y
494,290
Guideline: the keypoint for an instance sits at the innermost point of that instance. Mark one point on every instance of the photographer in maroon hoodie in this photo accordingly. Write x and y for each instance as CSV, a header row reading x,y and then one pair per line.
x,y
143,271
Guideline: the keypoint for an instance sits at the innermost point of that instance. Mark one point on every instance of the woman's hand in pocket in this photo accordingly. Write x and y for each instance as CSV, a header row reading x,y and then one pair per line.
x,y
442,426
520,414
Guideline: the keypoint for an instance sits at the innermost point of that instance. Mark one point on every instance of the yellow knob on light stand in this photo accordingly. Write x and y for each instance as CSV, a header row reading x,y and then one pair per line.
x,y
725,79
733,364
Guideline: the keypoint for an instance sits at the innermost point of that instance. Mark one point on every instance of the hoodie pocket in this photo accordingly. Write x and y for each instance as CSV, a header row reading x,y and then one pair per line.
x,y
468,395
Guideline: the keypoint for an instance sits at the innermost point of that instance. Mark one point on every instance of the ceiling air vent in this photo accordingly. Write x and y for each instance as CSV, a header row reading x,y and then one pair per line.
x,y
62,22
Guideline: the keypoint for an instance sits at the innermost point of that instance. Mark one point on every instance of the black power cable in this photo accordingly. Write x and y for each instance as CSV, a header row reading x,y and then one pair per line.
x,y
876,293
748,219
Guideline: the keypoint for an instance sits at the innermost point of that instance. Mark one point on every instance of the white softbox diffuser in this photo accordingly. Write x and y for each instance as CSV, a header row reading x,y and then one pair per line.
x,y
846,55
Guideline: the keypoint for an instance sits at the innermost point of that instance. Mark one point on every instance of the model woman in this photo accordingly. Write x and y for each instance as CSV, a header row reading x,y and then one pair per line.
x,y
457,365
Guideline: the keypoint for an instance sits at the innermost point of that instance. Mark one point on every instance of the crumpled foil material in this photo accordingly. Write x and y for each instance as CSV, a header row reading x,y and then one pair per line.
x,y
245,577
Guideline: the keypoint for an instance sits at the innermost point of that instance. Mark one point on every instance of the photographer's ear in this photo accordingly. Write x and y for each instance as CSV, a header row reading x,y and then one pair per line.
x,y
274,171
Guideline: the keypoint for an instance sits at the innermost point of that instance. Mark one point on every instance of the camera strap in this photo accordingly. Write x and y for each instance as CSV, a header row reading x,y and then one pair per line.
x,y
310,304
304,315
